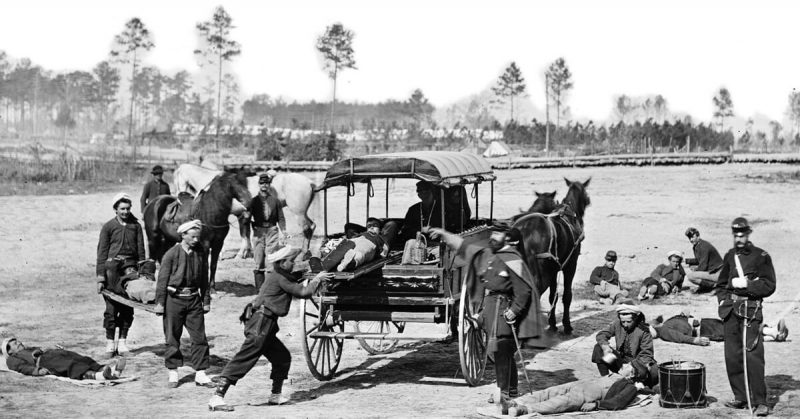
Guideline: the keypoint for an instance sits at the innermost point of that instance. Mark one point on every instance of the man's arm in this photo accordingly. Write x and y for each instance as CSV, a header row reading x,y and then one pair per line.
x,y
163,277
140,242
20,366
145,195
596,277
764,285
297,289
281,216
723,293
604,335
522,293
645,355
102,250
703,257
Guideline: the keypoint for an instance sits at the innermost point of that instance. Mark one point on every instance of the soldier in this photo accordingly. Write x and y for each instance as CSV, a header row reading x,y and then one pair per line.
x,y
511,303
705,265
154,188
272,302
633,345
121,240
183,299
746,278
267,217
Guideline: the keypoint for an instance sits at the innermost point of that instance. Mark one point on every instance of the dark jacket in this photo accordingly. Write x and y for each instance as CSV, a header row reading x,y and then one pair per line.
x,y
151,190
173,270
757,267
673,275
415,219
267,211
25,361
115,237
278,289
677,329
604,273
641,344
706,257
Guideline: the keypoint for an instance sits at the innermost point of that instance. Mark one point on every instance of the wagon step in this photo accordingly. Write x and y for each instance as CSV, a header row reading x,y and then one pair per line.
x,y
394,316
386,336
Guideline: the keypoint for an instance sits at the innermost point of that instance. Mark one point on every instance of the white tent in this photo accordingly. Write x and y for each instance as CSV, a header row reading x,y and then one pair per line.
x,y
496,149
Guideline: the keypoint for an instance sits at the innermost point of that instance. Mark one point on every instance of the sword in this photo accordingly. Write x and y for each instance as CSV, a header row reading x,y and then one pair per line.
x,y
521,359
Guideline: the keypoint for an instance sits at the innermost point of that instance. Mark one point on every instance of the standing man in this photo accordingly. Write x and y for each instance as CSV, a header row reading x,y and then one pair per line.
x,y
511,304
121,240
267,214
606,280
261,328
182,297
746,278
705,267
154,188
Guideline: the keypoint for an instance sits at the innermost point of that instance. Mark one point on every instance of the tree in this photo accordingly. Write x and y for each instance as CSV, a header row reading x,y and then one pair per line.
x,y
130,44
510,84
105,89
336,47
794,112
219,47
623,106
723,106
560,82
418,108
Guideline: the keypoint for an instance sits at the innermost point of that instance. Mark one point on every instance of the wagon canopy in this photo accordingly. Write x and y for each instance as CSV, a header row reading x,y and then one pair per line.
x,y
442,168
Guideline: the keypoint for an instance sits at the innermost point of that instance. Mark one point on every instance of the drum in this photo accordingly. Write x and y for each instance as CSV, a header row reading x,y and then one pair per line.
x,y
683,384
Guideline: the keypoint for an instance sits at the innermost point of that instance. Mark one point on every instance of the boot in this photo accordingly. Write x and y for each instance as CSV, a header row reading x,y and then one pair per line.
x,y
172,381
277,399
111,348
217,402
122,347
202,380
259,277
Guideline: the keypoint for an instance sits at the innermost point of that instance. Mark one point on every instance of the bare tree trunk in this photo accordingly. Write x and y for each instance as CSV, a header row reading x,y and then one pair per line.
x,y
333,103
219,100
133,97
547,115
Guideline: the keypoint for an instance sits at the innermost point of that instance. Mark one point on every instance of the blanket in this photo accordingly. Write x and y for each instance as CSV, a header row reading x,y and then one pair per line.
x,y
494,411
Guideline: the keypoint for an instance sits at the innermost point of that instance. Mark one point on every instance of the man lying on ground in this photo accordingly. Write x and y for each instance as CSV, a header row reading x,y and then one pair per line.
x,y
354,252
684,328
610,392
664,279
59,362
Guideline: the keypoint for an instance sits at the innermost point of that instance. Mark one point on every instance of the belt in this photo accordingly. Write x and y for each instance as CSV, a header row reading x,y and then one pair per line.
x,y
185,292
265,225
265,311
736,297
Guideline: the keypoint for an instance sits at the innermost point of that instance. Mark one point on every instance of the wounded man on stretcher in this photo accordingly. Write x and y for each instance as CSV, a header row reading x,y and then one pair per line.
x,y
139,285
353,252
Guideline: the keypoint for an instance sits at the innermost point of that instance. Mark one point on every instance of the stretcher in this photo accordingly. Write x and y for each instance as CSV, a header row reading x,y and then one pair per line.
x,y
128,302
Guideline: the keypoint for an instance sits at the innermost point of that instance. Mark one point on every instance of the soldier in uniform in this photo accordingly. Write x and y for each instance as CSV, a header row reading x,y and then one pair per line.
x,y
121,240
511,298
267,217
705,265
261,327
746,278
183,298
154,188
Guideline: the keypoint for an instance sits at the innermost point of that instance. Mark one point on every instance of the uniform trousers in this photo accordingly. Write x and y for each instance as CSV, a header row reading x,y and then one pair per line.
x,y
64,363
260,339
116,315
506,366
266,242
186,312
755,358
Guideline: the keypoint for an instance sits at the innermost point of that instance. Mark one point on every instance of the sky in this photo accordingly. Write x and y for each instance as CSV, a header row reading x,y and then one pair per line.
x,y
683,50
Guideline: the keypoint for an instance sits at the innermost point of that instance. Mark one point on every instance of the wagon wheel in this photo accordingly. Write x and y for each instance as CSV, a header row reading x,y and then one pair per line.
x,y
322,353
472,340
379,346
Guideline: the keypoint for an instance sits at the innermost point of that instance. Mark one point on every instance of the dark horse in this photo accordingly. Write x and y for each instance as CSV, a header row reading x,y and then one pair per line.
x,y
545,203
211,207
552,243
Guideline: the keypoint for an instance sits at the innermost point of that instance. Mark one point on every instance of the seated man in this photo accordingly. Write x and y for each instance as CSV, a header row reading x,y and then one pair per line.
x,y
684,328
706,265
60,362
457,211
352,253
664,279
140,285
606,281
426,213
610,392
633,345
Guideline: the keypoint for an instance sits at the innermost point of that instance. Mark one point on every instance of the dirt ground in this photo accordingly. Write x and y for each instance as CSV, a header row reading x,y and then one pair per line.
x,y
47,296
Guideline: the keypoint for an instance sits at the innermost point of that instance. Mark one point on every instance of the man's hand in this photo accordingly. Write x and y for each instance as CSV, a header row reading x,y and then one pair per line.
x,y
158,310
318,278
701,341
588,407
206,308
739,282
510,316
100,287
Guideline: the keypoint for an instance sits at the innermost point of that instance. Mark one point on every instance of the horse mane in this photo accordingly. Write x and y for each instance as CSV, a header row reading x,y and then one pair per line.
x,y
577,198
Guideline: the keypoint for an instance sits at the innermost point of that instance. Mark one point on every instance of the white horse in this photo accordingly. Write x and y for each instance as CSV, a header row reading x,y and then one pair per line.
x,y
293,190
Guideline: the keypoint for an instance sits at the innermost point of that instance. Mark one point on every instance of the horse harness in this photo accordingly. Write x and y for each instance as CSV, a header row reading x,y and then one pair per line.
x,y
552,250
196,202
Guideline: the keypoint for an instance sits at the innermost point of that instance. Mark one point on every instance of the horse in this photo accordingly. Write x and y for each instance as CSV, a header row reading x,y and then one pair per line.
x,y
294,191
545,203
552,243
211,206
